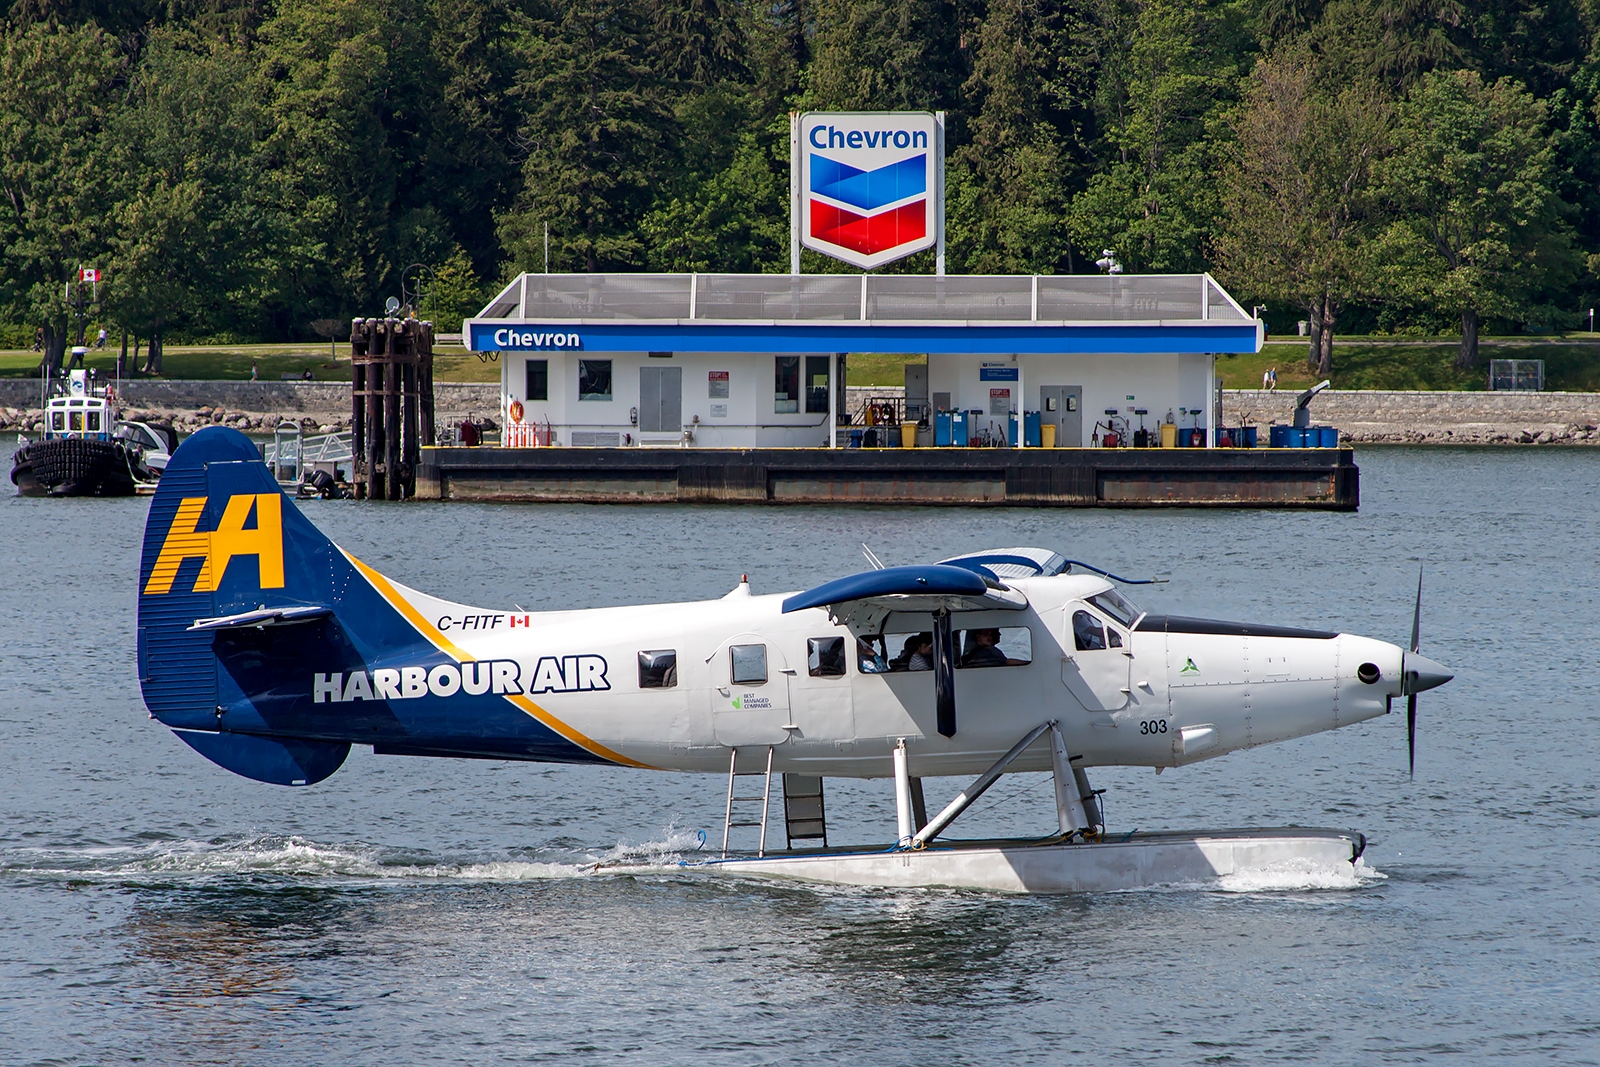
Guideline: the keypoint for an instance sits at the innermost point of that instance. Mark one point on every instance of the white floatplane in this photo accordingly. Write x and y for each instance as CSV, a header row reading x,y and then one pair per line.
x,y
271,651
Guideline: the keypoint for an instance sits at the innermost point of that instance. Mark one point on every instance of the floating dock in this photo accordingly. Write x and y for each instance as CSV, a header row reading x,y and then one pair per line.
x,y
1133,861
1316,478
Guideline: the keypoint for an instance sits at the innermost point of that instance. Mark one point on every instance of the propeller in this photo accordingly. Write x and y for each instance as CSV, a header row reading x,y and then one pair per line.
x,y
1418,673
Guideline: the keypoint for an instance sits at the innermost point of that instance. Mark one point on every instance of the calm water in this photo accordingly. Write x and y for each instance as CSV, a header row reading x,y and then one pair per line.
x,y
156,908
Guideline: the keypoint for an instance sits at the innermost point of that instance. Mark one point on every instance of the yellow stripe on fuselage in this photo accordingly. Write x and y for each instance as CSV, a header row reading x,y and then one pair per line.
x,y
444,644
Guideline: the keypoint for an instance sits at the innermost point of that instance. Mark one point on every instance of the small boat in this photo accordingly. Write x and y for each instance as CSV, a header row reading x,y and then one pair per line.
x,y
87,450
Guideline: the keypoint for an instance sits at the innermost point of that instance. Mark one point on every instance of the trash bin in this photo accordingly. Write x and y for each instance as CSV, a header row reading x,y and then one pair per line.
x,y
908,435
1169,435
855,438
1047,435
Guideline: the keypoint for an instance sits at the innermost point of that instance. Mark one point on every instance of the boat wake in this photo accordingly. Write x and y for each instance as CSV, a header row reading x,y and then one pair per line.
x,y
295,858
1299,876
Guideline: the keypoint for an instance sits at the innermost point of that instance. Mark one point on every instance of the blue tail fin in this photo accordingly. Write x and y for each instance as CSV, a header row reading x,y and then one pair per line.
x,y
221,540
270,651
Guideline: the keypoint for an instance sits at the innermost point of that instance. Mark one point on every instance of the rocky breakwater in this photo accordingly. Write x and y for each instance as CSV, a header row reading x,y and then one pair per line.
x,y
1367,416
251,407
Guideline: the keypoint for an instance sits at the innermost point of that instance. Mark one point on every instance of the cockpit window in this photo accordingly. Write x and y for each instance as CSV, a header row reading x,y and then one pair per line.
x,y
1117,606
1087,633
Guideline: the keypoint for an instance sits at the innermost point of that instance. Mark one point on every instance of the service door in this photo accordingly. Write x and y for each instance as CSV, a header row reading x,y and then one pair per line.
x,y
1062,405
1098,663
660,399
750,682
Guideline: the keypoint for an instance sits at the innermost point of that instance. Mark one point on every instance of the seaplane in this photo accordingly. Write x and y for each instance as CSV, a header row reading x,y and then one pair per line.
x,y
271,651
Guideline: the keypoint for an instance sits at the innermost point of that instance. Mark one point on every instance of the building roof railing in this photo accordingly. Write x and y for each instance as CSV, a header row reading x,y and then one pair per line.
x,y
866,298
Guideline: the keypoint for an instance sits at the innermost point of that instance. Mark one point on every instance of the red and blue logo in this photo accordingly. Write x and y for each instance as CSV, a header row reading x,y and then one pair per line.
x,y
868,194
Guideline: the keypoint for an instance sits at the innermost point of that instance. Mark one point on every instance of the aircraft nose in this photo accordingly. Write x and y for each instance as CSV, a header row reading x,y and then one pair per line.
x,y
1422,673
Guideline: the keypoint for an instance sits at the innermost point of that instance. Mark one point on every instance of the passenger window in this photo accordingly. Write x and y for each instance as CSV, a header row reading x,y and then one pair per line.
x,y
995,646
909,652
749,664
825,657
77,420
1087,633
869,656
58,421
94,422
658,669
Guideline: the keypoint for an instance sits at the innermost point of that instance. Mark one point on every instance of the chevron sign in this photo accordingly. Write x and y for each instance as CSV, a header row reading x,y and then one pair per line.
x,y
870,187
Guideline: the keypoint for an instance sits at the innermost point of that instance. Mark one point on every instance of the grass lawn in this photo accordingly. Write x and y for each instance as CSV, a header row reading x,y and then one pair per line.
x,y
1362,363
1358,363
273,363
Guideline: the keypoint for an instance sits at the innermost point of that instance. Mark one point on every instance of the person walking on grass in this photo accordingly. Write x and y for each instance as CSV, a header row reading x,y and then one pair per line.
x,y
255,372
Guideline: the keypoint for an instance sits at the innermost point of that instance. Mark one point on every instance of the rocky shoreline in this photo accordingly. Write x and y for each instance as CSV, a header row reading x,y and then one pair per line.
x,y
1362,416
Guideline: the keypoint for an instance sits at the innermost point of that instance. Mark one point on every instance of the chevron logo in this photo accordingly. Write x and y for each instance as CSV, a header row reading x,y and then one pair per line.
x,y
862,198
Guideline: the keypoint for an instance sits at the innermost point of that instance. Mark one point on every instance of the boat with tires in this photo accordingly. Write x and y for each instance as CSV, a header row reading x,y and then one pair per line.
x,y
87,450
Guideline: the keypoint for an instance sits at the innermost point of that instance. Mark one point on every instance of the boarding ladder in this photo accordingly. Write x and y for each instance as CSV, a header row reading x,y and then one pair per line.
x,y
765,797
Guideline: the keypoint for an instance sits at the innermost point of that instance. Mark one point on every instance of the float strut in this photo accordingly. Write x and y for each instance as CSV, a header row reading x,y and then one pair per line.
x,y
1090,798
975,790
902,794
1069,805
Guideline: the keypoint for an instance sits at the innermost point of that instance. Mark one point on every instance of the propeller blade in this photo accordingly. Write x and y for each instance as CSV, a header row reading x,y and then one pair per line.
x,y
1411,732
1416,617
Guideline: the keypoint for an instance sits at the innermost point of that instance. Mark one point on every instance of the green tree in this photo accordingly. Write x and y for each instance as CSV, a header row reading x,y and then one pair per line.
x,y
193,224
340,80
58,89
885,55
1479,228
454,293
1031,81
597,131
1161,96
738,221
1297,196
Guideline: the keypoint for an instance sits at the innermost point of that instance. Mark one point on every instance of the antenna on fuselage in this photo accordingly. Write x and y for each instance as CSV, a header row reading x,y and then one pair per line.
x,y
1105,573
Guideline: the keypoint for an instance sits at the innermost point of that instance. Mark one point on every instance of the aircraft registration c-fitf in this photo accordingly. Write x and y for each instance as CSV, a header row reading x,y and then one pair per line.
x,y
271,651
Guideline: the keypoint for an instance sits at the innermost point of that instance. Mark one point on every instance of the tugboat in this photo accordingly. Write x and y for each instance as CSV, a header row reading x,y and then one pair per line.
x,y
87,451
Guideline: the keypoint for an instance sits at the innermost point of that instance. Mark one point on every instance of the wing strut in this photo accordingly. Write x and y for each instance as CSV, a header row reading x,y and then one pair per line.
x,y
944,672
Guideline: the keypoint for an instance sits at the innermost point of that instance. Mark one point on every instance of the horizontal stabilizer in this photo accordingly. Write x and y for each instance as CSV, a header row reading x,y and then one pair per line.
x,y
288,762
264,617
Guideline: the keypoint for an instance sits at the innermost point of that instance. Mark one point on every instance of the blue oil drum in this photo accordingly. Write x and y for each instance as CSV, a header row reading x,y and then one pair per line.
x,y
1278,436
855,439
1244,437
1329,436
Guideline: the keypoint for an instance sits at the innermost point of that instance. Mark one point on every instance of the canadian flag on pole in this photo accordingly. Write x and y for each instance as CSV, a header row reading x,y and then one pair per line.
x,y
89,274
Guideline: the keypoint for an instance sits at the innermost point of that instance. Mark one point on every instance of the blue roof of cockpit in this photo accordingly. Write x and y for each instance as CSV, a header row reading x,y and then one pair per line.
x,y
1000,563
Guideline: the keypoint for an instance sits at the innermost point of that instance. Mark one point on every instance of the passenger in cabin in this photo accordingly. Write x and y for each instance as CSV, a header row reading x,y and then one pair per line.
x,y
902,662
983,650
922,652
869,658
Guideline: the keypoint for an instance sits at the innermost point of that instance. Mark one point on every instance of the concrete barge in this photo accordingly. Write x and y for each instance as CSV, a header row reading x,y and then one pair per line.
x,y
1325,479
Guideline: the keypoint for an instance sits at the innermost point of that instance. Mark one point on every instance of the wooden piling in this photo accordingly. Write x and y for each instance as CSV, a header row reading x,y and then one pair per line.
x,y
391,404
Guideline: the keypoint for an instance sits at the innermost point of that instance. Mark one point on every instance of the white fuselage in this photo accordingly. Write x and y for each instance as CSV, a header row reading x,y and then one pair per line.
x,y
1160,699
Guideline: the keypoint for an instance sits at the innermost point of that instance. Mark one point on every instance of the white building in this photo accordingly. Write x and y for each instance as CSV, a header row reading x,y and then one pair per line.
x,y
746,361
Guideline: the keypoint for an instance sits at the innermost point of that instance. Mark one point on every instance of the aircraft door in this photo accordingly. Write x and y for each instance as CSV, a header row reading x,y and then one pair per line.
x,y
1097,666
1062,406
821,701
750,681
